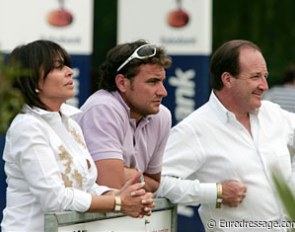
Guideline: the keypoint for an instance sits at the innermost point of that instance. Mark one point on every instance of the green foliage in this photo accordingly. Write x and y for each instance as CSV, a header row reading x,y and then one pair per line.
x,y
11,100
268,23
286,195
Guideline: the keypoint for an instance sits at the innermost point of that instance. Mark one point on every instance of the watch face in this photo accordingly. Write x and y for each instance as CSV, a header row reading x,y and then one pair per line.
x,y
117,204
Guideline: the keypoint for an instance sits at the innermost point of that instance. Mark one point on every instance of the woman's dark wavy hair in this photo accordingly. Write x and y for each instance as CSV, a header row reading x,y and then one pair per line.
x,y
116,56
35,61
226,59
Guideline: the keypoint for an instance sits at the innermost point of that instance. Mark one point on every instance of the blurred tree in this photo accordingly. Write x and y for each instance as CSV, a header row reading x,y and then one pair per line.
x,y
268,23
11,100
104,33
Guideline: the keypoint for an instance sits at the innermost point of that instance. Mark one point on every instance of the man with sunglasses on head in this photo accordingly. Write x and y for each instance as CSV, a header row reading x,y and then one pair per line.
x,y
125,125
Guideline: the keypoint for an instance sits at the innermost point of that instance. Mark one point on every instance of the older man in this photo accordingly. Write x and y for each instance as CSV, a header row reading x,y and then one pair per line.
x,y
222,155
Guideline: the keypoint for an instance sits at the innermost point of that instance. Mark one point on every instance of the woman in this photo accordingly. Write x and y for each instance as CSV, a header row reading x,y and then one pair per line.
x,y
47,163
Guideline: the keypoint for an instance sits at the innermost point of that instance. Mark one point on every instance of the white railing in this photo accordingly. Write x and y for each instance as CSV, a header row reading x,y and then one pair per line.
x,y
163,219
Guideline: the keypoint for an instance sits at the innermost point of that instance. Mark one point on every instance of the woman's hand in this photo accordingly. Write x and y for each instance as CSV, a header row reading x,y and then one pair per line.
x,y
136,202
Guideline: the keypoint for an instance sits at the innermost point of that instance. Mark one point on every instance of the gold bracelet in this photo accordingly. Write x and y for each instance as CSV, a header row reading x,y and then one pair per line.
x,y
118,203
219,195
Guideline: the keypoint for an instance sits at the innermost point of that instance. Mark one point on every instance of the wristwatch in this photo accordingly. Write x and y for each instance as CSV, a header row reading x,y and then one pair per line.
x,y
118,204
219,196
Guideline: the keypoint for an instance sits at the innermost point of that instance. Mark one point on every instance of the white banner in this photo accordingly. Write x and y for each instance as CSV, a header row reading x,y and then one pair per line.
x,y
182,26
67,22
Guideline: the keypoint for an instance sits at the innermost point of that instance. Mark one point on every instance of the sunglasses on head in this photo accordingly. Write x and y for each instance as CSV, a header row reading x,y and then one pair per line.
x,y
142,52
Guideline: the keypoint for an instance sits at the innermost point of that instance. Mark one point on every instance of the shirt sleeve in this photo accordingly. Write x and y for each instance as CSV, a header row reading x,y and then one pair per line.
x,y
182,159
190,192
99,189
106,123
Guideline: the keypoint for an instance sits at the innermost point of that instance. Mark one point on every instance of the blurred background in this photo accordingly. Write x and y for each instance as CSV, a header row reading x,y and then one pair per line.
x,y
268,23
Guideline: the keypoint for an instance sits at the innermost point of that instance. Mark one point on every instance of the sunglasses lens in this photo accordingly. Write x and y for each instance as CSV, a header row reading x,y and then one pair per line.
x,y
146,51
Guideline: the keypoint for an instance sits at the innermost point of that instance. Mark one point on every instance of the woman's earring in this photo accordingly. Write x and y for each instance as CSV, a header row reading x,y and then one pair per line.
x,y
37,90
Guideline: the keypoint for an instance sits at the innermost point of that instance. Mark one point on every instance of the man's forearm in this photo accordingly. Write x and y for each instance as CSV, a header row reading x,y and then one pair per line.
x,y
151,185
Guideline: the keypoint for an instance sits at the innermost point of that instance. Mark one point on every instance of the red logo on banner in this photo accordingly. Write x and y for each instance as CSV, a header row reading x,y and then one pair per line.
x,y
60,17
178,17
